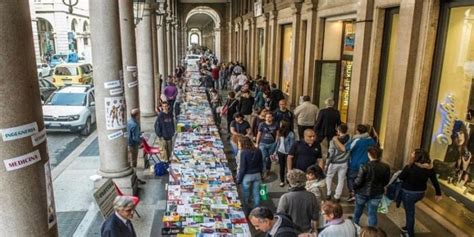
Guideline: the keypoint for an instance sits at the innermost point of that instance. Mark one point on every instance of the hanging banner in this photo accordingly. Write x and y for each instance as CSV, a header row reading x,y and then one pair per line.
x,y
115,113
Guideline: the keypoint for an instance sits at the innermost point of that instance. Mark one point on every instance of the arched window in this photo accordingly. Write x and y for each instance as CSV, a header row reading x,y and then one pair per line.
x,y
194,38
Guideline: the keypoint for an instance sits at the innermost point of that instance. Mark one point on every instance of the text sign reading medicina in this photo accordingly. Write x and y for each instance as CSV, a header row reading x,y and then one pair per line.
x,y
22,161
104,196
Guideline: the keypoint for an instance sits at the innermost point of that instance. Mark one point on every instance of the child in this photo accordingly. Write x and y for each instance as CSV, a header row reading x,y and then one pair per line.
x,y
316,182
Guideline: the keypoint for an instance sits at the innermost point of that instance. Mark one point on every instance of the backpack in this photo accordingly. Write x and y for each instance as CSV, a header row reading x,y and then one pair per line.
x,y
161,168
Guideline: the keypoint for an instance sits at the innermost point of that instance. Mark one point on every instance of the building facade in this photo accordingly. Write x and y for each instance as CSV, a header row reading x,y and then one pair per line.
x,y
60,31
404,66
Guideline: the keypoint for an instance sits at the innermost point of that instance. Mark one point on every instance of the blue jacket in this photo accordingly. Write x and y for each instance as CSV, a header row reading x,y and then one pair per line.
x,y
164,125
114,227
358,147
288,141
251,162
133,130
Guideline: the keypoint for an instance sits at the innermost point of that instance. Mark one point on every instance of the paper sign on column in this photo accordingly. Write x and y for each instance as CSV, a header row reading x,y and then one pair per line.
x,y
22,161
39,138
131,68
132,84
116,91
115,113
115,135
49,196
112,84
22,131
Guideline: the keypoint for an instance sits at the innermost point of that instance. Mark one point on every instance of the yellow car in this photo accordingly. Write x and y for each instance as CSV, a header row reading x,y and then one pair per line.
x,y
72,73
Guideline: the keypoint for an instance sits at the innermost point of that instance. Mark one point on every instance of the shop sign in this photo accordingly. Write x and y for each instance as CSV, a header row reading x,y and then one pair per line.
x,y
257,6
448,117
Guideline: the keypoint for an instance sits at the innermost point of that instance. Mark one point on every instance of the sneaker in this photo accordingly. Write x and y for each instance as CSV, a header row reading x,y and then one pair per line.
x,y
351,198
282,184
404,229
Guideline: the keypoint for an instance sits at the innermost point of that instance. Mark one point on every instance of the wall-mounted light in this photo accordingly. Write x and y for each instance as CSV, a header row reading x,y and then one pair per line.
x,y
138,9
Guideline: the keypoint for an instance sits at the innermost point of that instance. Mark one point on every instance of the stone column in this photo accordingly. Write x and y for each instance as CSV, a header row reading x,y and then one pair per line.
x,y
272,45
360,64
162,58
176,45
25,177
218,43
169,50
295,52
129,54
105,31
156,72
145,66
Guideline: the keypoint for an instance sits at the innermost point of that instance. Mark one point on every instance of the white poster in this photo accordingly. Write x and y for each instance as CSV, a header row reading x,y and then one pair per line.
x,y
115,113
133,84
116,91
49,196
112,84
9,134
115,135
39,138
22,161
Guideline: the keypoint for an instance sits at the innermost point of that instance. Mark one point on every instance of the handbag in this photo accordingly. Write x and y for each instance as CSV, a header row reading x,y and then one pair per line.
x,y
384,205
161,168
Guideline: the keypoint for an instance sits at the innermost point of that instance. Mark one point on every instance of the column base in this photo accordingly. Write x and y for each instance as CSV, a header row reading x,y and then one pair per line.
x,y
128,185
147,114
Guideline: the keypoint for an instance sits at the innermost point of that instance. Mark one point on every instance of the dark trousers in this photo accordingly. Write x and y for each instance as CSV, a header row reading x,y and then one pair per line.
x,y
409,198
351,176
301,130
282,160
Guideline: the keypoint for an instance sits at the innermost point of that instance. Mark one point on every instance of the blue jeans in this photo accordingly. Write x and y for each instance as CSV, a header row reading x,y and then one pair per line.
x,y
235,149
253,180
267,150
351,176
372,205
409,198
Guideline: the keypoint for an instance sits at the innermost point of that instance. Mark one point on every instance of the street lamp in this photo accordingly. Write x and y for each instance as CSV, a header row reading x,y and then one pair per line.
x,y
70,4
138,9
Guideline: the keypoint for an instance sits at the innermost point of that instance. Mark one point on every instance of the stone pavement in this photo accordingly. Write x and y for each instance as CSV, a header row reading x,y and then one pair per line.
x,y
78,215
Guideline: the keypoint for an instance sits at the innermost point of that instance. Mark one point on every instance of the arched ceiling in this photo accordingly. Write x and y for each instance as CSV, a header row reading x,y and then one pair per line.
x,y
199,20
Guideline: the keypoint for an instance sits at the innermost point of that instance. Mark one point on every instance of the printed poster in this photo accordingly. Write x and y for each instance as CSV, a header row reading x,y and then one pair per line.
x,y
115,113
49,196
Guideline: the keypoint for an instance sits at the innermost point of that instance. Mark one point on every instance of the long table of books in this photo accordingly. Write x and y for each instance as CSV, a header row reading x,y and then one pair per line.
x,y
202,195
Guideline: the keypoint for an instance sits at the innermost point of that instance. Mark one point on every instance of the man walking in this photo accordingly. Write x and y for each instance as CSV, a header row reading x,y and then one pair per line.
x,y
328,119
283,113
164,128
357,147
306,114
119,224
134,139
305,153
337,163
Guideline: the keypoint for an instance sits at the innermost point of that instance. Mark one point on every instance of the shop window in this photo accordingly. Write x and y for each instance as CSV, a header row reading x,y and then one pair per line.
x,y
451,144
389,44
285,62
261,50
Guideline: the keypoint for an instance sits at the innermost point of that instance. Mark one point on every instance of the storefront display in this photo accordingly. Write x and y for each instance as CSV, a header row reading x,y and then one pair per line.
x,y
202,196
452,132
285,64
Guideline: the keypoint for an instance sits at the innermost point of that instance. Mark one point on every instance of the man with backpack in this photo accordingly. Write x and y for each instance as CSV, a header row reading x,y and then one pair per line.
x,y
278,225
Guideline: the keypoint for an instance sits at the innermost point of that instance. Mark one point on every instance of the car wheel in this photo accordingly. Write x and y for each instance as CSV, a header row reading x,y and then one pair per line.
x,y
87,129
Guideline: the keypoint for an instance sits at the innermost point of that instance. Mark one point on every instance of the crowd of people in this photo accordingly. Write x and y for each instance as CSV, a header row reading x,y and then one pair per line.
x,y
264,130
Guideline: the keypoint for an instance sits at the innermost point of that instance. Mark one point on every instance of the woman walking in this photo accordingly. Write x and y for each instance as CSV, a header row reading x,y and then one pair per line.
x,y
266,140
250,171
287,138
414,177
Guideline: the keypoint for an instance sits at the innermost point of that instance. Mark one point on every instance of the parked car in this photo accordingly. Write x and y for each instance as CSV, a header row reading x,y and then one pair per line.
x,y
72,73
43,70
70,109
46,88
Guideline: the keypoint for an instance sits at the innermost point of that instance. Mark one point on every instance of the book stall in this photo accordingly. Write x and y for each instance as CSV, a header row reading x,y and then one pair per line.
x,y
202,195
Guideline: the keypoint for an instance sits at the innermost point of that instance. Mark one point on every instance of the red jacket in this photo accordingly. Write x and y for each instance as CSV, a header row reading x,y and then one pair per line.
x,y
215,73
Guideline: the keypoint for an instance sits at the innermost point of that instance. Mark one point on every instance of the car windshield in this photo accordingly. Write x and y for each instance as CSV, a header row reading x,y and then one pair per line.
x,y
70,99
66,71
57,57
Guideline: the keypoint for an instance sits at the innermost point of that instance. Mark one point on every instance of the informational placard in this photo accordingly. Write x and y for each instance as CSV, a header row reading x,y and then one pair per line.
x,y
115,113
38,138
49,196
104,197
22,161
131,68
116,91
112,84
115,135
133,84
10,134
